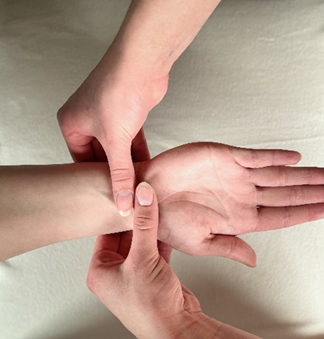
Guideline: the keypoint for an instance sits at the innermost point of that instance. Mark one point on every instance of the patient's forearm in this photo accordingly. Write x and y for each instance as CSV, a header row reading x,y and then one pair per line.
x,y
42,205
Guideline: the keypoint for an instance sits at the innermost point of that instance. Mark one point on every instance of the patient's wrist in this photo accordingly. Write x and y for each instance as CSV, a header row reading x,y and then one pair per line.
x,y
96,181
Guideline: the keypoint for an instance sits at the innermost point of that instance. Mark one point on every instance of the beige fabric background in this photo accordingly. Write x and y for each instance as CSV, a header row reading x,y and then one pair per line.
x,y
253,77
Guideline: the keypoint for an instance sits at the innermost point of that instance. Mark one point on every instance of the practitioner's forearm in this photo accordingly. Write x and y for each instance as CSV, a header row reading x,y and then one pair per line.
x,y
42,205
155,33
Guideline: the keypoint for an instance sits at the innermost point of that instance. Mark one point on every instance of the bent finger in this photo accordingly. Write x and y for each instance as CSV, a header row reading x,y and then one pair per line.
x,y
81,149
78,136
104,257
106,249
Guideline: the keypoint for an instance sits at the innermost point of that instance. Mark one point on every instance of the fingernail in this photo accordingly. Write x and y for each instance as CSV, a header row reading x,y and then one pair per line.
x,y
124,203
144,195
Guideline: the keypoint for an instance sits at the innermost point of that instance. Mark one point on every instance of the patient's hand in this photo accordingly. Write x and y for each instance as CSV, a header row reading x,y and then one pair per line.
x,y
208,193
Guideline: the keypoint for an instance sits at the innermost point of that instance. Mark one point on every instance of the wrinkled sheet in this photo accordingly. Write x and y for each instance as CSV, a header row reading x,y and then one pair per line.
x,y
253,77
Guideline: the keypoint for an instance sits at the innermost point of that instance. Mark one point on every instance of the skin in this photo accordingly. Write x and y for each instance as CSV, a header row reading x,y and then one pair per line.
x,y
212,192
125,265
226,191
99,121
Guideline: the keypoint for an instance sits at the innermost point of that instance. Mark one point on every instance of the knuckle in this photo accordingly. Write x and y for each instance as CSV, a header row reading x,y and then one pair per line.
x,y
295,197
321,194
282,176
274,157
91,281
97,274
143,221
254,158
67,125
61,115
121,175
309,176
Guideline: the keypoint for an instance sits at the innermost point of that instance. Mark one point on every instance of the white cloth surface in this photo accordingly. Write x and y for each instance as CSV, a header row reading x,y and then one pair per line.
x,y
253,77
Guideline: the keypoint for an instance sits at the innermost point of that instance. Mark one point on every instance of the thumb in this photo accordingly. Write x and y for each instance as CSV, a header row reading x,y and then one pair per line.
x,y
122,174
146,219
232,247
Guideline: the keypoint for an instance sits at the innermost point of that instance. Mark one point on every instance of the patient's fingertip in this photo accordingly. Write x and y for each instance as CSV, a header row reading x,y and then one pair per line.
x,y
295,156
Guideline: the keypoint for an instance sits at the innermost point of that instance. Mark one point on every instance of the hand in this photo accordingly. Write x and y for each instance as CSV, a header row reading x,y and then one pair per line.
x,y
208,193
131,277
104,118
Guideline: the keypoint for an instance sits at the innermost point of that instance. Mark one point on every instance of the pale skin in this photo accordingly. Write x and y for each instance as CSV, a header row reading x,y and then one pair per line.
x,y
99,121
126,264
211,191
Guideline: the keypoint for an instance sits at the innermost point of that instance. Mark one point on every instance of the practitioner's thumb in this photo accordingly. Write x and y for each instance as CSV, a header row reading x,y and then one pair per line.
x,y
146,220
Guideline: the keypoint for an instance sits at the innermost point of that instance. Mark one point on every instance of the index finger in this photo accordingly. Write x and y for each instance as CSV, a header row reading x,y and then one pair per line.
x,y
107,242
259,158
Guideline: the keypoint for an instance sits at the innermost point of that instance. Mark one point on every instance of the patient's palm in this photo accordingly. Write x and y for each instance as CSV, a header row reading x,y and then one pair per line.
x,y
208,193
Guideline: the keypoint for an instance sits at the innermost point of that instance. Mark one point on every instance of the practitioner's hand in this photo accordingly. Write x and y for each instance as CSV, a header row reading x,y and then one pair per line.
x,y
130,274
104,118
110,107
208,193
